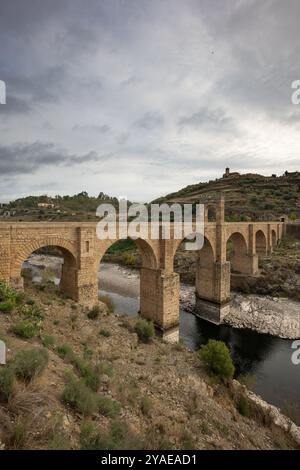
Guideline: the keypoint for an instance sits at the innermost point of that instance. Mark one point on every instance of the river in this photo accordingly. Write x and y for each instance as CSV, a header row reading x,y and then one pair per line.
x,y
266,359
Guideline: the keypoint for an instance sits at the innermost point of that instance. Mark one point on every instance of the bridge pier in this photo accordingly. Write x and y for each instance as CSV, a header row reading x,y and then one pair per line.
x,y
213,291
159,291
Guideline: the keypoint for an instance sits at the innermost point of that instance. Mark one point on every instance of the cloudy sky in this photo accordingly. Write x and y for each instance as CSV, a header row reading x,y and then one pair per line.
x,y
142,97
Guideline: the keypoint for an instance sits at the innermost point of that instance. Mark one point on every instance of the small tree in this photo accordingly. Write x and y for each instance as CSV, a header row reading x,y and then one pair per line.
x,y
216,356
145,330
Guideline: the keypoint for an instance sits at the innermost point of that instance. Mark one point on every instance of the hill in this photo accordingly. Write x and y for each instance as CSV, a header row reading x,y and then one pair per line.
x,y
247,196
81,381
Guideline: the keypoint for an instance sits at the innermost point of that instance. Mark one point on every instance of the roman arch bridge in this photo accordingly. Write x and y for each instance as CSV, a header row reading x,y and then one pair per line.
x,y
159,285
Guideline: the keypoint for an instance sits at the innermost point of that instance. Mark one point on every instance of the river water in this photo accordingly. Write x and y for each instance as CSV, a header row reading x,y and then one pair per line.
x,y
266,359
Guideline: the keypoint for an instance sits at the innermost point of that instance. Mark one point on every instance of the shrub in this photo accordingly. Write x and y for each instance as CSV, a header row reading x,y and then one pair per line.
x,y
119,436
26,329
64,351
94,312
129,259
90,376
48,341
108,407
59,442
146,406
80,397
243,406
217,357
145,330
7,380
7,293
7,306
32,312
104,332
30,363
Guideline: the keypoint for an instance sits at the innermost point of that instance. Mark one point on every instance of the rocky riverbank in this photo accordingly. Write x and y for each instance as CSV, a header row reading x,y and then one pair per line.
x,y
277,316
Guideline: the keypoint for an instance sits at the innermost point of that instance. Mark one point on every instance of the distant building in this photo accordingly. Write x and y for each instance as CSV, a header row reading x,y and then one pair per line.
x,y
229,174
292,173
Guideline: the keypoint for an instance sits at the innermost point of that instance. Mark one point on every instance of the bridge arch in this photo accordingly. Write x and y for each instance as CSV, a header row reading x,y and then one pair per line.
x,y
148,253
237,252
260,243
69,269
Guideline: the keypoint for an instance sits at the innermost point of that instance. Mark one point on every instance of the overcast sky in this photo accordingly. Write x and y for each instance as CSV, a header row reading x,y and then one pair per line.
x,y
142,97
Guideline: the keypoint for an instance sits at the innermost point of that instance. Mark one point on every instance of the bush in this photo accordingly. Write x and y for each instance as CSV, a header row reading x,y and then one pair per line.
x,y
80,397
119,436
104,332
26,329
64,351
7,380
48,341
129,259
243,406
94,312
146,406
90,376
7,306
108,407
32,312
30,363
217,357
145,330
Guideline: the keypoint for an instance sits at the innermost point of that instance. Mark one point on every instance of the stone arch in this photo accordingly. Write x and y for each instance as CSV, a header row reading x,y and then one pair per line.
x,y
68,282
210,213
260,243
147,251
237,252
274,238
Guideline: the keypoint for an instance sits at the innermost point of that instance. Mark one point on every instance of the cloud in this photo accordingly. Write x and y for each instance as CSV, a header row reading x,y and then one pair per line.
x,y
214,119
150,120
127,97
29,158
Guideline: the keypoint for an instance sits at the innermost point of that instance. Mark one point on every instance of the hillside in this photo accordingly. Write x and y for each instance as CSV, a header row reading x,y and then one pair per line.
x,y
247,196
81,380
58,208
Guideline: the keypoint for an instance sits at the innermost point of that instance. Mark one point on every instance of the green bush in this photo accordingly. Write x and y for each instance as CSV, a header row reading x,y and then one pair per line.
x,y
7,306
7,380
90,376
64,351
80,397
32,312
30,363
7,293
108,407
243,406
119,436
145,330
94,312
104,333
26,329
48,341
217,357
146,405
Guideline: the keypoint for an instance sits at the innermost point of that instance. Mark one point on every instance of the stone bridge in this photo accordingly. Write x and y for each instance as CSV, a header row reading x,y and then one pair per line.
x,y
159,284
